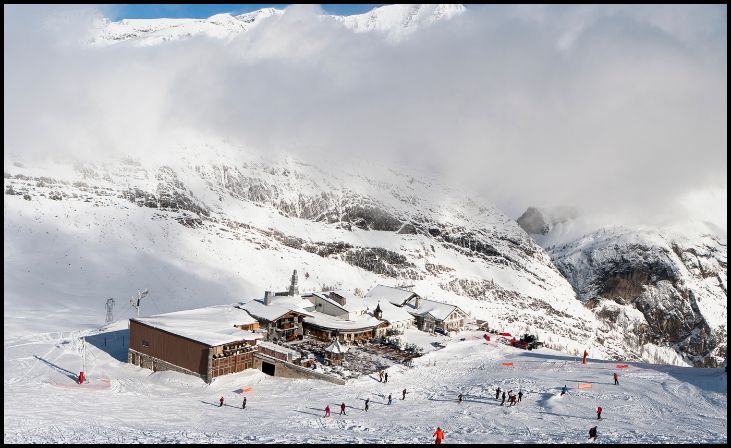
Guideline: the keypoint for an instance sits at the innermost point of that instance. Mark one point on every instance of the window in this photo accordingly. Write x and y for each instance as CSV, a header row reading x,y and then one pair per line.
x,y
145,343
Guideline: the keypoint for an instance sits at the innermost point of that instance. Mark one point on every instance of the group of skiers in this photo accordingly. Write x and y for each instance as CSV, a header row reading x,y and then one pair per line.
x,y
513,399
439,433
221,400
382,377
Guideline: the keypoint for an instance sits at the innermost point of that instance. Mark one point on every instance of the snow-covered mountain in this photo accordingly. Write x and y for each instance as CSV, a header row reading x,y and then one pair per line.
x,y
395,21
217,224
662,290
239,228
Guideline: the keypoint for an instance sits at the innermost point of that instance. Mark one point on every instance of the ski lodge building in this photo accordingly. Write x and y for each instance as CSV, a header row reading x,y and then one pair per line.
x,y
430,316
205,342
218,340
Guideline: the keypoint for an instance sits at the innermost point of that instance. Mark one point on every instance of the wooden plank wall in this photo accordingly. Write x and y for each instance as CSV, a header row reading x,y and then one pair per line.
x,y
174,349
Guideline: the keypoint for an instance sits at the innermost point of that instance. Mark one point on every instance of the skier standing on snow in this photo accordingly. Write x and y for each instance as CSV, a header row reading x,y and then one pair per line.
x,y
459,398
327,411
520,396
592,433
342,408
564,390
503,402
599,413
243,405
380,376
385,377
366,404
497,394
616,379
389,398
439,434
220,401
403,394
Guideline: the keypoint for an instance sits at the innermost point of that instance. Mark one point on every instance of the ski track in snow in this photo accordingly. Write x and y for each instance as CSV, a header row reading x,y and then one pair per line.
x,y
651,405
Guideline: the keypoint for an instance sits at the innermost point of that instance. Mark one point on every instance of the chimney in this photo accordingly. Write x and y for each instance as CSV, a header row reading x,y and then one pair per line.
x,y
267,297
417,302
337,298
294,290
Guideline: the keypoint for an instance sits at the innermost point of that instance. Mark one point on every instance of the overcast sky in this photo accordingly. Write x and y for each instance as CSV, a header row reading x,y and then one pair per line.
x,y
617,110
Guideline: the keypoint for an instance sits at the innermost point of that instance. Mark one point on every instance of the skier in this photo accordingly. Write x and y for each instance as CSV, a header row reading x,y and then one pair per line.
x,y
385,377
439,434
497,394
520,396
616,379
459,398
243,405
342,408
503,402
327,411
220,401
564,390
592,433
513,400
380,376
366,404
599,413
389,398
403,394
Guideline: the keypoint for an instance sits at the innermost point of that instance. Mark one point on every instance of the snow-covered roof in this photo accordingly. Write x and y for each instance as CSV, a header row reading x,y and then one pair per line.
x,y
353,303
394,295
390,312
278,348
323,320
336,347
213,325
279,306
440,311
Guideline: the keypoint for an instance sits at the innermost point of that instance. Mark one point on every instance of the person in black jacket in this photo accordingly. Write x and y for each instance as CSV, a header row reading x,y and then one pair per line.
x,y
592,433
503,402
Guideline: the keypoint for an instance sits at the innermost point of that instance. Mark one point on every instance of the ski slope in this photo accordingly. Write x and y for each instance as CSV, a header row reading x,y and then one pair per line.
x,y
124,403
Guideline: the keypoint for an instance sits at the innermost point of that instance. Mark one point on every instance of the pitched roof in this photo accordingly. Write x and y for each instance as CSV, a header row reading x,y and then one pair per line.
x,y
389,312
213,325
336,347
279,306
323,320
396,296
439,310
353,303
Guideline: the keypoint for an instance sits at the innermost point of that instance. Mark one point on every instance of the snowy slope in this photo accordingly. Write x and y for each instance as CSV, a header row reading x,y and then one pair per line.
x,y
394,21
123,403
229,229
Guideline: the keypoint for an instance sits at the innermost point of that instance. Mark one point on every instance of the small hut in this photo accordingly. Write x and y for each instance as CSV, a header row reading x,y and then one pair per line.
x,y
335,353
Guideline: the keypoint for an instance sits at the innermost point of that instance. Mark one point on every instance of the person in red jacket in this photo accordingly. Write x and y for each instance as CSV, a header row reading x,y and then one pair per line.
x,y
599,413
439,434
327,411
616,379
220,401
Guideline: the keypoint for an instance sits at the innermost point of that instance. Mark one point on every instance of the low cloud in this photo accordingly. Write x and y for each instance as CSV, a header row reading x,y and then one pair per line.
x,y
619,111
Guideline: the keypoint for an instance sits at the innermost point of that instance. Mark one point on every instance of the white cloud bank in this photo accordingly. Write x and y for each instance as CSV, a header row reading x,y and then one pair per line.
x,y
617,110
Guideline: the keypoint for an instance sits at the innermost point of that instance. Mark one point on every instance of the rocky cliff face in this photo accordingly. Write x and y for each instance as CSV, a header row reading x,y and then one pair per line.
x,y
657,291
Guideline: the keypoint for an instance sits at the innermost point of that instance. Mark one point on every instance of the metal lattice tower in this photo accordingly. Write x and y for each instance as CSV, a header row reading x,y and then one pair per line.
x,y
110,311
